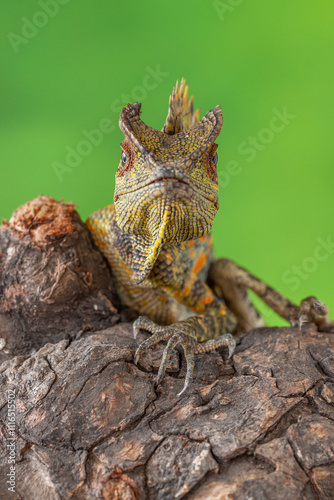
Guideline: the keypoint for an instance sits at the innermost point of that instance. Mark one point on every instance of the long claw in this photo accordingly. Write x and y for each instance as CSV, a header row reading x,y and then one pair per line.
x,y
173,341
231,344
300,320
190,359
135,331
185,387
137,355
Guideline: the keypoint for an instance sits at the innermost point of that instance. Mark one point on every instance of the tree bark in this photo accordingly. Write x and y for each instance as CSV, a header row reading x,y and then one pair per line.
x,y
89,424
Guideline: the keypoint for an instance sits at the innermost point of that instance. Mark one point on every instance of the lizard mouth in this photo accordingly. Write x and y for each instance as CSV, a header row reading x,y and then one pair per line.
x,y
166,179
174,178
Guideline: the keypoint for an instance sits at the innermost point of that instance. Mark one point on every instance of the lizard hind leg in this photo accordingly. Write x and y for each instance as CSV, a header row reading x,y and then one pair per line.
x,y
232,281
181,115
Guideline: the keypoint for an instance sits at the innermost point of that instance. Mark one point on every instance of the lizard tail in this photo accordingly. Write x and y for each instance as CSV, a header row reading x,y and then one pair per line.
x,y
181,115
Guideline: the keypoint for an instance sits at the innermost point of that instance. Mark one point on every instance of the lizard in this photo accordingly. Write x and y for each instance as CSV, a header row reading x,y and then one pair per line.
x,y
157,239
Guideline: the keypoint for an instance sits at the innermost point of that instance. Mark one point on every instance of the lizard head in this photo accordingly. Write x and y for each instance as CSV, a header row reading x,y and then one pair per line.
x,y
166,183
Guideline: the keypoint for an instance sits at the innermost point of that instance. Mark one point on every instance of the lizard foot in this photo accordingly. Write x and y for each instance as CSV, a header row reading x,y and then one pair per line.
x,y
184,333
312,310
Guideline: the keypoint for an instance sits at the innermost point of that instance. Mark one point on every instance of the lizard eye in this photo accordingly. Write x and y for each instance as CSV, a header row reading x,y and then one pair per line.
x,y
214,159
124,158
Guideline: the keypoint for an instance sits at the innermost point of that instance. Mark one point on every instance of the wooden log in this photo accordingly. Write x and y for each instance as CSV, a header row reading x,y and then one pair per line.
x,y
89,424
54,283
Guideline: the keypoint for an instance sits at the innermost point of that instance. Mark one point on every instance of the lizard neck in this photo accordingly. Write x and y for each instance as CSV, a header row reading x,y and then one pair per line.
x,y
141,251
160,213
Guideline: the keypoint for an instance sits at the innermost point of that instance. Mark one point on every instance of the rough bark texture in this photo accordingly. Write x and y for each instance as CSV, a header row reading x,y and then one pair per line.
x,y
91,425
53,283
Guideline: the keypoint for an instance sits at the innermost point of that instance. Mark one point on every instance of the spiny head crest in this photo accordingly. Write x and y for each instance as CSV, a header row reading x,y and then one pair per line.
x,y
185,146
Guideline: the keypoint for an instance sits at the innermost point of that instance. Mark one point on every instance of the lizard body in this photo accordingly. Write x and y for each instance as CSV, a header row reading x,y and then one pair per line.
x,y
156,237
151,298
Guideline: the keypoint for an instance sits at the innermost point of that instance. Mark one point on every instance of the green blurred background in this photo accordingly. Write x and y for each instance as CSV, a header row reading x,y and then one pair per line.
x,y
68,65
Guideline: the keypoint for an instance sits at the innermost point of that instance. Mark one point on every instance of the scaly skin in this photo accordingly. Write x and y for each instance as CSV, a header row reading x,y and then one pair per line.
x,y
156,237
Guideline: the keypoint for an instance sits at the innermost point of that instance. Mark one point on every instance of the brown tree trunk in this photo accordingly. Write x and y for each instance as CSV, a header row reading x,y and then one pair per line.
x,y
89,424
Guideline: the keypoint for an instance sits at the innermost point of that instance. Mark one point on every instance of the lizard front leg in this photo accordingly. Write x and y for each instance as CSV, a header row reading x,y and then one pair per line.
x,y
197,334
231,281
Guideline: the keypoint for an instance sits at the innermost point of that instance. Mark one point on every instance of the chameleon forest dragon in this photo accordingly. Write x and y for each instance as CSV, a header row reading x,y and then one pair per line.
x,y
156,238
